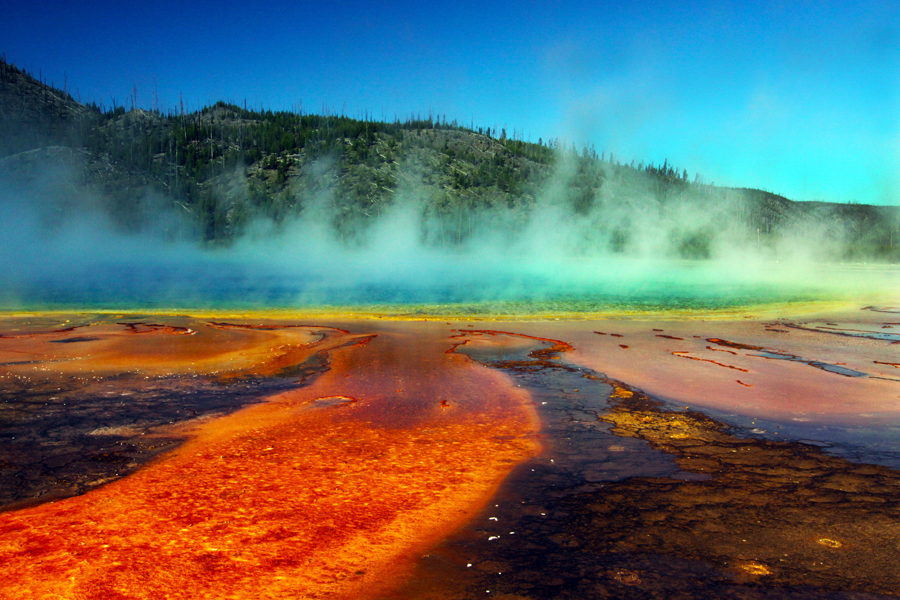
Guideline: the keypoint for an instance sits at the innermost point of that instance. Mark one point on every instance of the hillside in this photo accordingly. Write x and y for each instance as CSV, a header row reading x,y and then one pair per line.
x,y
219,171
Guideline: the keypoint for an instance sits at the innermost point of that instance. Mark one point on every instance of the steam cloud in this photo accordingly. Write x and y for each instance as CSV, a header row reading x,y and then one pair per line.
x,y
61,251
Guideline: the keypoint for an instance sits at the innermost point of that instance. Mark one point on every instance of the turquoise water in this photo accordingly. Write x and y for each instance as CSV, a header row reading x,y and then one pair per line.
x,y
465,287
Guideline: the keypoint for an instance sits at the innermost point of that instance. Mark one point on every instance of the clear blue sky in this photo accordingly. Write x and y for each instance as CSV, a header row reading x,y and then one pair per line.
x,y
799,98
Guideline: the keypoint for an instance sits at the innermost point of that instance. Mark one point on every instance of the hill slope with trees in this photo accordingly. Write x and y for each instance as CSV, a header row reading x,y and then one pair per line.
x,y
220,171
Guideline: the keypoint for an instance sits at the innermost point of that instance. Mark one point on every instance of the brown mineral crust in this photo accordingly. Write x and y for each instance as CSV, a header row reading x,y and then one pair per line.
x,y
296,497
772,512
737,345
685,354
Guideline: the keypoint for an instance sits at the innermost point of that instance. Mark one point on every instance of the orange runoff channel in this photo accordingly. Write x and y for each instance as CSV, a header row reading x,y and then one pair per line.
x,y
332,490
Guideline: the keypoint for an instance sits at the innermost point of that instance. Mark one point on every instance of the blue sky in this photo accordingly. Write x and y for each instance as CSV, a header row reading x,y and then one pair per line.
x,y
799,98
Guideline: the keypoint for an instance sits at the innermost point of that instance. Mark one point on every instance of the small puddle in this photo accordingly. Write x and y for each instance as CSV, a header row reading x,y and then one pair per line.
x,y
881,334
761,352
334,401
75,340
837,369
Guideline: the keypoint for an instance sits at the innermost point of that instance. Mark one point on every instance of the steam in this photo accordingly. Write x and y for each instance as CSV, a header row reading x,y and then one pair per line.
x,y
614,251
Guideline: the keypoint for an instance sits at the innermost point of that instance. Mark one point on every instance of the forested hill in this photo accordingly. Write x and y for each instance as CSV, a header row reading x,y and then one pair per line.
x,y
218,171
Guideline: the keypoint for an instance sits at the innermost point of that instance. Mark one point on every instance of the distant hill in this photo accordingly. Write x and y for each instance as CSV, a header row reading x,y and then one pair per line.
x,y
218,171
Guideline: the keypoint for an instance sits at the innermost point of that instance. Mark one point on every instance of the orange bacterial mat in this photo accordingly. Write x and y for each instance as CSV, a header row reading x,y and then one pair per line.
x,y
330,490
